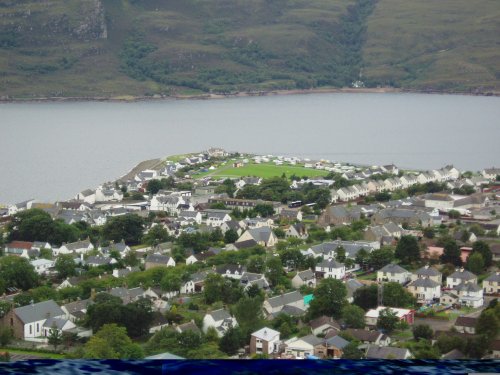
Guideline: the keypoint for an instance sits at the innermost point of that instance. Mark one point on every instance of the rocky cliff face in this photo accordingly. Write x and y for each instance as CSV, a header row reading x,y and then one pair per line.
x,y
93,24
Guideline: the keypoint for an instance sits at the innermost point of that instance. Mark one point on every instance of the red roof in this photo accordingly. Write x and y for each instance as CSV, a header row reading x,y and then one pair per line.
x,y
20,245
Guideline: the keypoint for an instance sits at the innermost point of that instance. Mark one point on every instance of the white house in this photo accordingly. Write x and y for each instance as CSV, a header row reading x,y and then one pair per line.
x,y
221,320
491,285
42,266
425,290
470,294
302,347
329,268
59,324
427,272
264,341
216,219
306,277
393,273
103,194
460,276
79,247
191,216
371,317
28,321
87,196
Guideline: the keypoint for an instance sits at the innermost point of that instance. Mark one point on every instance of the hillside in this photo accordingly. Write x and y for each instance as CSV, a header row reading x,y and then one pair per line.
x,y
129,48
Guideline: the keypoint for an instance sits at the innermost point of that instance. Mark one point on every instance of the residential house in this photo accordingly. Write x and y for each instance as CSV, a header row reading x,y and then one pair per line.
x,y
191,216
425,290
27,321
264,236
43,266
59,324
428,272
332,347
276,304
19,248
232,271
491,173
76,311
393,273
449,297
242,204
371,317
200,257
96,261
173,204
306,277
291,215
221,320
387,352
466,324
329,268
87,196
79,247
460,276
189,326
217,218
298,230
248,279
127,295
231,224
470,294
337,215
158,260
70,282
385,233
302,347
195,284
402,216
108,194
348,193
369,337
323,324
491,284
352,285
264,341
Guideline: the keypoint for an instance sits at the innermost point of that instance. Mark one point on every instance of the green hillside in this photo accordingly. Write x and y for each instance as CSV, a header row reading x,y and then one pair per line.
x,y
122,48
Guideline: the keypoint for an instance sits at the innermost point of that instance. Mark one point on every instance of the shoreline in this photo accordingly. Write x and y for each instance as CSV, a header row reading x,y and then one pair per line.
x,y
211,96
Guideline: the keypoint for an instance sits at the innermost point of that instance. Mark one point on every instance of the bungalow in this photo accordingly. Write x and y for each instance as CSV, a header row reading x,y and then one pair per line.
x,y
158,260
387,352
264,341
27,321
371,317
393,273
221,320
302,347
121,247
263,236
231,224
96,261
369,337
79,247
323,324
425,290
330,269
42,266
491,284
465,324
276,304
306,277
18,248
258,222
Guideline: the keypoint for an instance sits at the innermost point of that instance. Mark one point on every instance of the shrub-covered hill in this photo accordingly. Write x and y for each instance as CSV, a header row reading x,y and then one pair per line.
x,y
121,48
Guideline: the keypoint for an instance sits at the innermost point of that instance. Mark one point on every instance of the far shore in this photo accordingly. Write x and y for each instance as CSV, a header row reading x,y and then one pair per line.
x,y
325,90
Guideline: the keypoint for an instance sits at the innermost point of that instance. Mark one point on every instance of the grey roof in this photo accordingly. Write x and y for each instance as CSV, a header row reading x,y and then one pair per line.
x,y
220,314
468,287
188,214
364,335
248,277
337,341
386,352
189,326
493,277
285,299
77,245
165,355
218,215
393,268
425,283
78,305
261,234
427,271
311,340
329,263
57,323
38,311
199,276
245,244
454,354
306,275
157,258
231,269
97,260
290,310
352,285
463,274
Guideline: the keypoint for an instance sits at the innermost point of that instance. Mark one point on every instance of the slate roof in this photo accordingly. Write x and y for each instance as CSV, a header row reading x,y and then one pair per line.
x,y
322,320
329,263
38,311
468,287
261,234
78,305
427,271
337,341
454,354
462,274
364,335
424,283
285,299
189,326
266,334
77,245
466,321
220,314
57,323
245,244
157,258
385,352
393,268
232,268
165,355
306,275
493,277
290,310
311,340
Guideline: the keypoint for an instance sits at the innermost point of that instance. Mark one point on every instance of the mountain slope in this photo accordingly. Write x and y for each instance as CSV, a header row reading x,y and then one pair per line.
x,y
115,48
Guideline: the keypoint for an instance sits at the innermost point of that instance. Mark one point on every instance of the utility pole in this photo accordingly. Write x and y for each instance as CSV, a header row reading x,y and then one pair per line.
x,y
380,294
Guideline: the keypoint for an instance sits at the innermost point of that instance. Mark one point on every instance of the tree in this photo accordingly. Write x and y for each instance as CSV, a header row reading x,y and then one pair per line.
x,y
130,259
231,236
329,298
340,254
292,258
454,214
446,343
127,227
354,316
407,249
274,270
17,272
422,331
387,320
112,342
395,295
366,297
264,210
475,263
248,313
256,263
488,324
351,351
232,340
65,266
55,337
5,335
380,257
156,235
451,253
154,186
483,248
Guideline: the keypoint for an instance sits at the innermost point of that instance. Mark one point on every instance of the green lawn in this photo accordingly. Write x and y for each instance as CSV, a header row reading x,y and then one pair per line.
x,y
34,353
266,171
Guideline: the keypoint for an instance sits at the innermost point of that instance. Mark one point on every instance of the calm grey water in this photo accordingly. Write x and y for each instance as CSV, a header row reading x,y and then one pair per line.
x,y
51,151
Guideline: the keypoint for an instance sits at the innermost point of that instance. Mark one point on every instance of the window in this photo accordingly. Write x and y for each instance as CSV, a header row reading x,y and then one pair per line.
x,y
38,327
30,329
